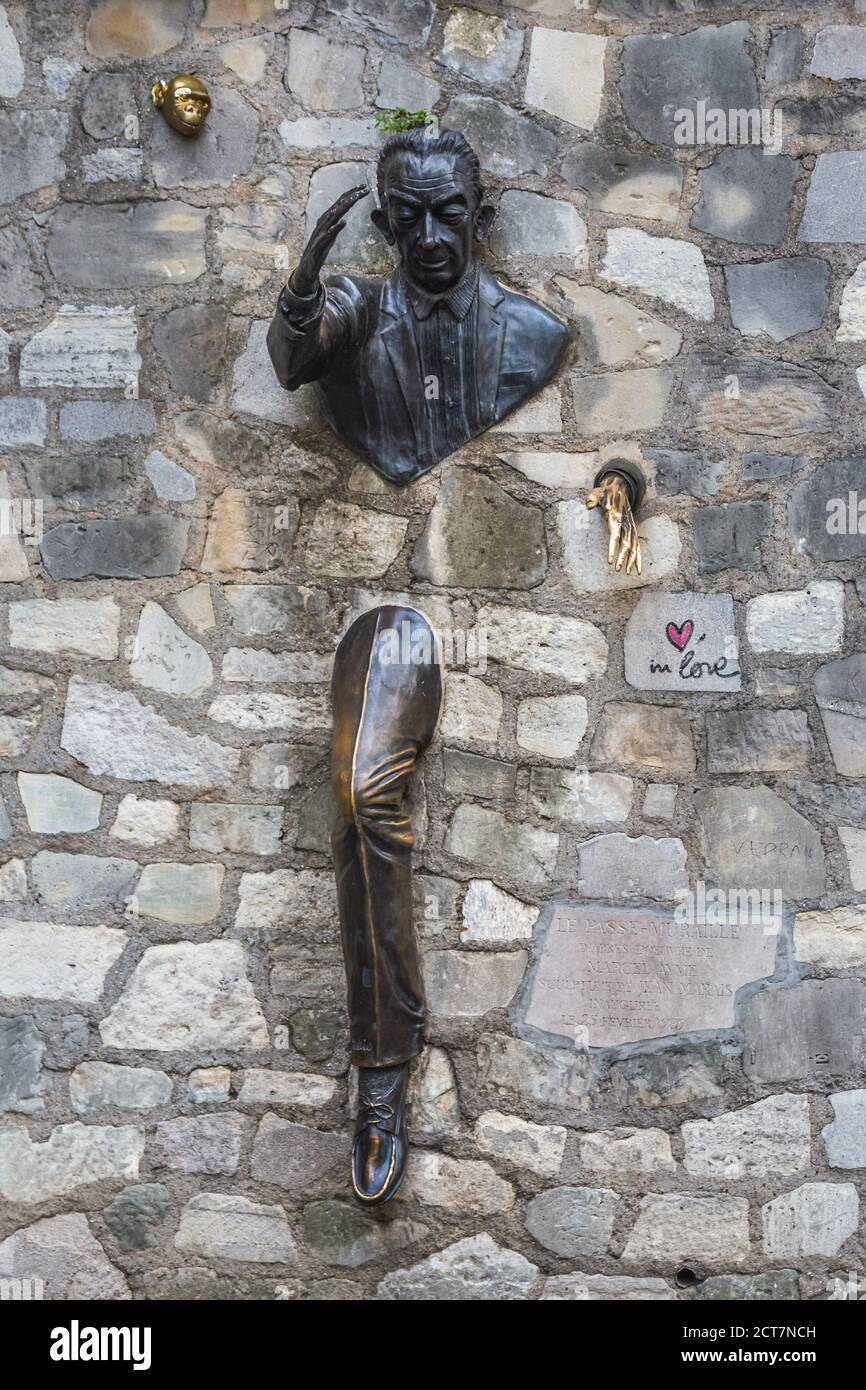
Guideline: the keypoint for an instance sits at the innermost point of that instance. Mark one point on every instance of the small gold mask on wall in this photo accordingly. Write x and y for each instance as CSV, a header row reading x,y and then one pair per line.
x,y
184,101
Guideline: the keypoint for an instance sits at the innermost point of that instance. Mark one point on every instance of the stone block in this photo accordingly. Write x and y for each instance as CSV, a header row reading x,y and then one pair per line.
x,y
95,1086
339,1234
54,805
623,402
627,1151
89,347
186,894
32,143
613,333
493,916
554,56
674,1227
481,46
184,997
469,984
839,52
63,1253
466,1186
86,627
573,1222
584,545
73,1156
624,184
544,643
473,1270
639,736
223,152
488,840
778,298
135,547
524,1145
661,267
845,1138
298,1157
758,740
815,1219
833,938
324,75
552,725
134,1213
200,1143
112,733
835,211
113,245
744,196
532,224
21,1051
44,961
581,797
134,28
507,144
813,1030
785,54
83,883
713,61
478,536
230,1227
823,516
552,1076
770,1138
729,536
801,621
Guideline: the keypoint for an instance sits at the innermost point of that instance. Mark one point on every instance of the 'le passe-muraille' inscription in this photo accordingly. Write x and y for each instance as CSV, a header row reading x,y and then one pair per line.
x,y
609,976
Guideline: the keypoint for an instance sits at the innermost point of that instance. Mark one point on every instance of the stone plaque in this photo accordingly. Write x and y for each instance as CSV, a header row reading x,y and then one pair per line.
x,y
609,975
683,642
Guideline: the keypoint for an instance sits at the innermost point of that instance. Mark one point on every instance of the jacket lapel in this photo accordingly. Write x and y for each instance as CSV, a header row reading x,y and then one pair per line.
x,y
402,349
491,335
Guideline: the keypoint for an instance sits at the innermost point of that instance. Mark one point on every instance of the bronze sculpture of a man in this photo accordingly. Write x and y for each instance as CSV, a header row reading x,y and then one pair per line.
x,y
412,366
409,368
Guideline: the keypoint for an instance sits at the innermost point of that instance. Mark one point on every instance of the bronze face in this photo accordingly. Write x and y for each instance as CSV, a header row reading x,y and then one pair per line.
x,y
184,101
431,216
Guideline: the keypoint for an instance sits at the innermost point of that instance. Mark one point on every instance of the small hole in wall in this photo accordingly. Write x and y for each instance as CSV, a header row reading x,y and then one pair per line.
x,y
685,1278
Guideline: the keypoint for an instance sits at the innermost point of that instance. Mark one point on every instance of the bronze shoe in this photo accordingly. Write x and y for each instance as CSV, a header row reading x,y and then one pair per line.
x,y
379,1150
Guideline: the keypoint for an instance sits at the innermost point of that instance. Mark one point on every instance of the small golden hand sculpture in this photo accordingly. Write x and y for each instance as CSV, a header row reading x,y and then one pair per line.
x,y
614,498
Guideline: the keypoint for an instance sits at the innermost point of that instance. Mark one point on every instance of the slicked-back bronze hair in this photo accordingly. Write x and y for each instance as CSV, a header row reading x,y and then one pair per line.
x,y
424,141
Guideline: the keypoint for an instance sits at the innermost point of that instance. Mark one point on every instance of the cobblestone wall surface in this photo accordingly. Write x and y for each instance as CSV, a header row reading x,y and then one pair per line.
x,y
173,1080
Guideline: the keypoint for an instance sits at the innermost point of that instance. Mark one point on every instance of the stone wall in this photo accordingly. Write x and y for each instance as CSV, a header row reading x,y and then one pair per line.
x,y
172,1041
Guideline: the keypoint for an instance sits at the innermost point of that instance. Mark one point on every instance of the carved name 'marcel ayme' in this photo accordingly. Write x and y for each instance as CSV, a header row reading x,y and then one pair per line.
x,y
607,976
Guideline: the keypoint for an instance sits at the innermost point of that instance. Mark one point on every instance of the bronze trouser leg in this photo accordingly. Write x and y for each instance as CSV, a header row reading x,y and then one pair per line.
x,y
387,694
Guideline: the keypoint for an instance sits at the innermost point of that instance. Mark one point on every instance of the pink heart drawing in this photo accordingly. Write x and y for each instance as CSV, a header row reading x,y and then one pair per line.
x,y
679,637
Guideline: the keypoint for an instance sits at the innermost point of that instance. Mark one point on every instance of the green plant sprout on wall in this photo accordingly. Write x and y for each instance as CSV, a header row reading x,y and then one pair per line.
x,y
400,119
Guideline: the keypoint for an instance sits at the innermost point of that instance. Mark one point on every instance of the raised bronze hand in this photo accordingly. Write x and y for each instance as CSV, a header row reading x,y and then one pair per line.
x,y
304,279
614,498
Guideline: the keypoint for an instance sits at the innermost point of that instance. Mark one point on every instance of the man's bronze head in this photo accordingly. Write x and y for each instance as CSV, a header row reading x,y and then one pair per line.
x,y
431,208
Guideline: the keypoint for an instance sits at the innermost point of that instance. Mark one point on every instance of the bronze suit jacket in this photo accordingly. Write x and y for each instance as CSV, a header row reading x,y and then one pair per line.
x,y
359,346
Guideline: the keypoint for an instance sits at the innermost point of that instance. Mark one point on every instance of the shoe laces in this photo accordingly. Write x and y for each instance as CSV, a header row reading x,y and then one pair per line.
x,y
377,1113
